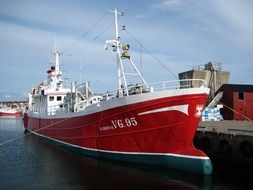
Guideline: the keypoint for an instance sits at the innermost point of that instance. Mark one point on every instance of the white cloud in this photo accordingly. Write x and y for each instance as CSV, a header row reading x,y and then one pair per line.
x,y
239,14
26,52
170,4
184,34
7,96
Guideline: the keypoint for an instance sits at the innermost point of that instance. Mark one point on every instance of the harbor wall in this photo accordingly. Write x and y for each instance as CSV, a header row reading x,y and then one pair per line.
x,y
231,141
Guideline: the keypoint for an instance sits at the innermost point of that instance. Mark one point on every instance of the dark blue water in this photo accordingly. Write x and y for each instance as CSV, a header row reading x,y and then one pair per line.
x,y
30,162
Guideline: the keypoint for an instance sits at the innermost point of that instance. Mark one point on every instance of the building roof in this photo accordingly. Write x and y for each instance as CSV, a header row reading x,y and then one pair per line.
x,y
237,87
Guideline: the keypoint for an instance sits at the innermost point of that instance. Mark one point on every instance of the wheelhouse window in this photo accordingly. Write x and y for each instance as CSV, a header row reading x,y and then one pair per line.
x,y
241,95
51,98
59,98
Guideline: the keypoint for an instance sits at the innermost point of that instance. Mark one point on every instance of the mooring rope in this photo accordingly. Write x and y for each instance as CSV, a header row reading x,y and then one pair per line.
x,y
29,133
233,110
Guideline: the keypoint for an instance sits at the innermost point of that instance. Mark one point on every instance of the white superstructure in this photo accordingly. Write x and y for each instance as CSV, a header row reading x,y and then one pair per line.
x,y
48,96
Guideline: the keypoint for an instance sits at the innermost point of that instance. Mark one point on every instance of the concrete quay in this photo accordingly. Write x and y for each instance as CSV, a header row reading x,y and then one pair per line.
x,y
228,140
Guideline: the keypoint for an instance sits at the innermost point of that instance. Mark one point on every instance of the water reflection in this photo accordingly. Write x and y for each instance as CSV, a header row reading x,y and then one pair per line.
x,y
73,170
33,163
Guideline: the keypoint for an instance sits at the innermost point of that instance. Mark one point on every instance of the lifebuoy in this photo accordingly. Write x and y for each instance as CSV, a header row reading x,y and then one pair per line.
x,y
224,147
246,148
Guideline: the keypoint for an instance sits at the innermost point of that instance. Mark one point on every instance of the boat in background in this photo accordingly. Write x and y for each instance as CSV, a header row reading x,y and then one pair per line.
x,y
10,111
147,123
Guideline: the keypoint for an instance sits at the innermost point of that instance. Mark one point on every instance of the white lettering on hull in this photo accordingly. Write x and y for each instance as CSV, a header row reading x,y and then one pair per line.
x,y
120,124
106,128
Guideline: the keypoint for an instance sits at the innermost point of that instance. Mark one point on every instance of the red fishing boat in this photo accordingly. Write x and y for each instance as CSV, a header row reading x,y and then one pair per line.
x,y
148,123
9,111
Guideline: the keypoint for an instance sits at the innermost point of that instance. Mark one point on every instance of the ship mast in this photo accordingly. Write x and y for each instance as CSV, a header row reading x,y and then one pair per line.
x,y
57,62
116,45
54,74
122,88
122,84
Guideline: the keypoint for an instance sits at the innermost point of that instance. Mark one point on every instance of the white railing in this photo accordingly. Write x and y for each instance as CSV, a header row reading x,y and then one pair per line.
x,y
178,84
158,86
72,104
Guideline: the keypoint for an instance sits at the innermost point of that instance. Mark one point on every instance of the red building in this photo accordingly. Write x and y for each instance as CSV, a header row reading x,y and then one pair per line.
x,y
237,97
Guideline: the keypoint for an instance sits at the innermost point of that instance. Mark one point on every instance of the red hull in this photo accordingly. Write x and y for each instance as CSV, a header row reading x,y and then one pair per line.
x,y
159,130
15,114
124,129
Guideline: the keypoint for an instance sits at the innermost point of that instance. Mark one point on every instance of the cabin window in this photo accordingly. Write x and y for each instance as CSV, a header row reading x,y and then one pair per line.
x,y
58,98
51,98
241,95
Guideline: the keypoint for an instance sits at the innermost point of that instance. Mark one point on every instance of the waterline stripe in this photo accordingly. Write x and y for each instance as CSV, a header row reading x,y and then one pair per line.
x,y
119,152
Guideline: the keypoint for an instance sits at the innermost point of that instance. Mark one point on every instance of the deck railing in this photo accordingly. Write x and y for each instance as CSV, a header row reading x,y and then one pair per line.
x,y
132,89
178,84
158,86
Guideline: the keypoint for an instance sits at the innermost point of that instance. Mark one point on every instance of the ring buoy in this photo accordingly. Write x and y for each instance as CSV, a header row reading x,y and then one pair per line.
x,y
246,148
224,147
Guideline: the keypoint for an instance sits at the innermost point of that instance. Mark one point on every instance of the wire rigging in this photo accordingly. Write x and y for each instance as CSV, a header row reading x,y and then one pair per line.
x,y
95,38
88,31
148,51
131,35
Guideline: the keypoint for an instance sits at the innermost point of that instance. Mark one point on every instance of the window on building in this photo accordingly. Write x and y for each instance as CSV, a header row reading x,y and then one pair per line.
x,y
51,98
241,95
58,98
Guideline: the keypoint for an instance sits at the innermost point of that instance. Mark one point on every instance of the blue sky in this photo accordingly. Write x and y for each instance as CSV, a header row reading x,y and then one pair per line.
x,y
180,33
